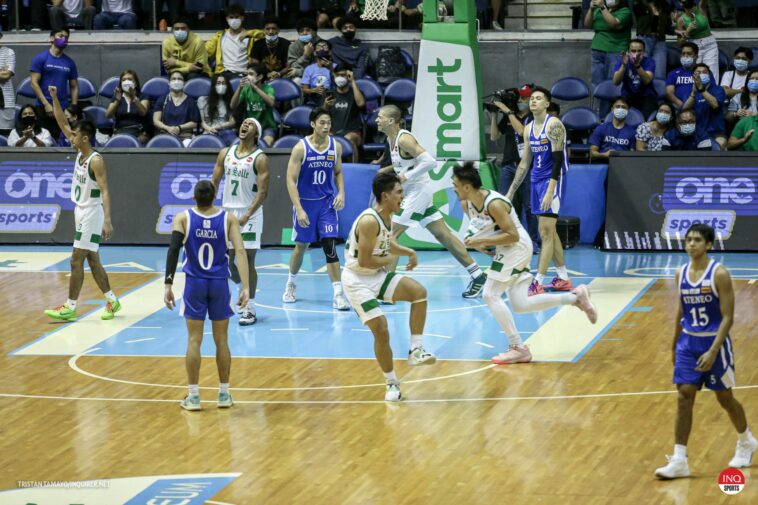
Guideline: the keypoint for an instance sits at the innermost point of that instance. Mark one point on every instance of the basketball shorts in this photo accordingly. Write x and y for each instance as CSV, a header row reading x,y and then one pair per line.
x,y
539,189
89,227
252,230
364,292
323,221
689,348
209,297
417,209
510,264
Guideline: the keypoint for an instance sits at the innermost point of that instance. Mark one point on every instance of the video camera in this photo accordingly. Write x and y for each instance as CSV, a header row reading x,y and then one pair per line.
x,y
509,97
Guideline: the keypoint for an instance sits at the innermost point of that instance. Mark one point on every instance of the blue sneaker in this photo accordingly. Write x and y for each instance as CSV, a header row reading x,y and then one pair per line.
x,y
225,400
191,402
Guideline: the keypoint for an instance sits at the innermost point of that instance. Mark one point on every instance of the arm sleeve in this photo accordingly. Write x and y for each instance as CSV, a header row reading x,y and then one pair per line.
x,y
172,257
424,163
557,165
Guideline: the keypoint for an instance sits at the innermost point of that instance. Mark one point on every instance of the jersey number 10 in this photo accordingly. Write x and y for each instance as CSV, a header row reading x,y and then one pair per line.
x,y
319,177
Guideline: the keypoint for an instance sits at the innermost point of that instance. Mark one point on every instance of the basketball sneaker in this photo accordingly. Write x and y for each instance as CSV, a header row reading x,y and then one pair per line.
x,y
289,293
110,310
340,302
393,392
514,354
191,402
675,469
535,288
474,288
743,454
559,284
225,400
584,302
62,313
248,318
420,356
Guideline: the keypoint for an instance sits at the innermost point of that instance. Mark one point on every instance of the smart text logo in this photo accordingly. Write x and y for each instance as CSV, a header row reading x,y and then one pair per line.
x,y
177,184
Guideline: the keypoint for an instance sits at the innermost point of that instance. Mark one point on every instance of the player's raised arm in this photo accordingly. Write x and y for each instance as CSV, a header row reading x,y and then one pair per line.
x,y
293,172
60,118
178,232
218,169
523,167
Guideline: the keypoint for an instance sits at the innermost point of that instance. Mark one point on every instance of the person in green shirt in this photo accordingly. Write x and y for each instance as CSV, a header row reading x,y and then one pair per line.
x,y
254,98
743,136
693,26
612,22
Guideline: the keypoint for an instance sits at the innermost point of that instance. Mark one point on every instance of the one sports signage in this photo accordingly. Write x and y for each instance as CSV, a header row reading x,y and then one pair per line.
x,y
32,195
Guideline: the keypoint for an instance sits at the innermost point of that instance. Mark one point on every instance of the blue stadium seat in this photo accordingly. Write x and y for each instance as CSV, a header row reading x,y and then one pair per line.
x,y
3,141
25,89
235,83
298,118
193,6
660,88
87,88
606,90
285,90
287,142
410,65
97,114
580,118
347,147
155,88
370,89
122,140
634,118
108,87
401,91
207,141
197,87
165,141
570,89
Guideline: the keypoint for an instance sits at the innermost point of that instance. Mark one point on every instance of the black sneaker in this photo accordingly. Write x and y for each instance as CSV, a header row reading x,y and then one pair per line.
x,y
474,288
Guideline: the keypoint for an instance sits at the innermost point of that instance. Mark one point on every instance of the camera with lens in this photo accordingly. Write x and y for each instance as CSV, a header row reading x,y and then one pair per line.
x,y
509,97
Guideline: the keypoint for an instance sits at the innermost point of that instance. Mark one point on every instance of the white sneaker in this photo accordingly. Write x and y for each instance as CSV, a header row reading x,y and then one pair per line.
x,y
393,392
676,468
289,293
584,302
340,302
496,26
248,318
743,454
420,356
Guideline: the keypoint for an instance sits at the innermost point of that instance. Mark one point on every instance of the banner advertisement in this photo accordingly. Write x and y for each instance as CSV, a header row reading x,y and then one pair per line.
x,y
653,199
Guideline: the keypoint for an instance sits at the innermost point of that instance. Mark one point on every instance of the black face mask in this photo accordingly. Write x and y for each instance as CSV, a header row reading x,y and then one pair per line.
x,y
349,35
27,121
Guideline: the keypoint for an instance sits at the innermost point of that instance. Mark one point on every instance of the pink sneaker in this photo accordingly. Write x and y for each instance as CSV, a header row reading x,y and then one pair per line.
x,y
535,288
584,302
514,354
559,284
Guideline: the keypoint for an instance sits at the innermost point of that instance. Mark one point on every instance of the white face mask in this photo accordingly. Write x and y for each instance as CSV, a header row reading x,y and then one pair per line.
x,y
220,89
181,35
176,85
127,85
340,81
234,23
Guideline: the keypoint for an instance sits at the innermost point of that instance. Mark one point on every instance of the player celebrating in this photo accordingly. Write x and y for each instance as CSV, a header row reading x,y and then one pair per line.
x,y
549,162
204,231
494,223
314,167
246,170
412,163
702,349
370,250
92,214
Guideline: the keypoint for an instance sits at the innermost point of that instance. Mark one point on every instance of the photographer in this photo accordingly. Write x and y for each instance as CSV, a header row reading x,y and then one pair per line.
x,y
511,124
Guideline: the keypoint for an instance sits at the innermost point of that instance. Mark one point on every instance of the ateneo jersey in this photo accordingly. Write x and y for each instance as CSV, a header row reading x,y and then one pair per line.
x,y
701,312
205,246
316,180
542,152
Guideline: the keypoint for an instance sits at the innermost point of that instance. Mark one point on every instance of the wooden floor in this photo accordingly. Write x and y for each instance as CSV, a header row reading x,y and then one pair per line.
x,y
590,432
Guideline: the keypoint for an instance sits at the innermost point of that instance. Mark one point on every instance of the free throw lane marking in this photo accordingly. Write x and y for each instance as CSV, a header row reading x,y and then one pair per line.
x,y
30,261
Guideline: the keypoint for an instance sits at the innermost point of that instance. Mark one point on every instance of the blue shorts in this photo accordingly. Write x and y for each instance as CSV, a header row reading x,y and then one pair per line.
x,y
207,296
689,349
323,221
539,189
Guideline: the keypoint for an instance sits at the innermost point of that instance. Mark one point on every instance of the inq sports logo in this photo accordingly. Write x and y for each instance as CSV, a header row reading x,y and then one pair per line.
x,y
176,188
32,194
711,195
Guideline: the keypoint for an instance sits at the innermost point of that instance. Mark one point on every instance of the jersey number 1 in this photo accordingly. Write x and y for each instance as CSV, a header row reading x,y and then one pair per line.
x,y
699,317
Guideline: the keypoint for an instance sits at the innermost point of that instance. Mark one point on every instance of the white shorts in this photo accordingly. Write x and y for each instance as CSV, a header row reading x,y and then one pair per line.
x,y
89,227
364,291
252,230
417,209
510,264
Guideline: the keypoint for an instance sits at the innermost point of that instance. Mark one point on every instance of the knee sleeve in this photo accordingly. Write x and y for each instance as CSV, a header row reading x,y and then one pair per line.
x,y
330,249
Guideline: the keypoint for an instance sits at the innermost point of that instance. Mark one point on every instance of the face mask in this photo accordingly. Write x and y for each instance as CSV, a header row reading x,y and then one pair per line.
x,y
740,65
220,89
705,79
522,106
610,3
687,129
323,54
181,35
176,85
663,117
686,61
305,38
127,85
349,35
340,81
272,38
27,121
60,43
620,113
234,23
752,86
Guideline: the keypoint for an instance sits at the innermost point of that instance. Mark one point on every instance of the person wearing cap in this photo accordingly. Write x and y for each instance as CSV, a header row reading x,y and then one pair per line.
x,y
511,125
7,93
634,71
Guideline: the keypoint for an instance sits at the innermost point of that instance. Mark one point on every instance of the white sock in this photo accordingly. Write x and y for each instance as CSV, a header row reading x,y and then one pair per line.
x,y
194,390
223,387
337,287
390,376
251,305
110,296
493,297
417,341
473,270
680,451
515,340
71,304
562,272
744,437
539,278
291,278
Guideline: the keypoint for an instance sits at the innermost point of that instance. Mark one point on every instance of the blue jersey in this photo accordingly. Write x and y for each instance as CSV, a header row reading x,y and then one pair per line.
x,y
700,302
205,246
542,153
316,180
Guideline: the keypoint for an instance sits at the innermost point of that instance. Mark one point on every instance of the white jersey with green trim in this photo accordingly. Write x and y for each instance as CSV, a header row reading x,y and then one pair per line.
x,y
381,248
241,184
481,223
85,190
404,165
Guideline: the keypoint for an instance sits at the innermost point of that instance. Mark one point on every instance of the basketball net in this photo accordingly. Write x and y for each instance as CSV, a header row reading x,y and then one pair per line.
x,y
375,10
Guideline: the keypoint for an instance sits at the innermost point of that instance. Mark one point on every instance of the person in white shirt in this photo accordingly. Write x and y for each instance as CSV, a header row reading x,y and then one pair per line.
x,y
28,133
734,80
72,12
7,92
116,12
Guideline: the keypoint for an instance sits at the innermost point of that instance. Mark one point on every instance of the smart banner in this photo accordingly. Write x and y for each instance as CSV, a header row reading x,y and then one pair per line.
x,y
653,198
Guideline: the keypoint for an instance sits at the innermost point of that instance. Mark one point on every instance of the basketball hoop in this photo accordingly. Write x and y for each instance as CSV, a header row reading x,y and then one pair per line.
x,y
375,10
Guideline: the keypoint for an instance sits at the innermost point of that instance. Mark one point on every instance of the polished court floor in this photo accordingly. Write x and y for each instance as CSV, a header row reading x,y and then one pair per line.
x,y
587,422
